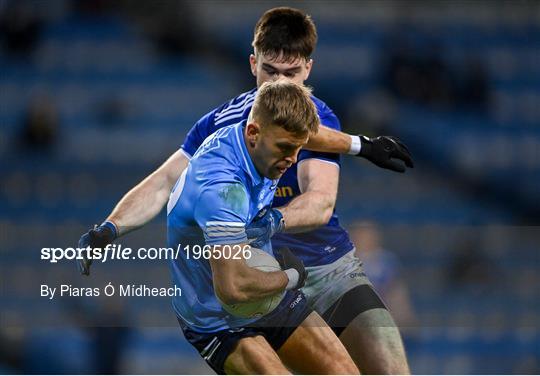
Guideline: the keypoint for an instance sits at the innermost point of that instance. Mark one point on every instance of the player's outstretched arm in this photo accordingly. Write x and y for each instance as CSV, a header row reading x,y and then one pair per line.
x,y
384,151
145,201
235,282
139,206
329,140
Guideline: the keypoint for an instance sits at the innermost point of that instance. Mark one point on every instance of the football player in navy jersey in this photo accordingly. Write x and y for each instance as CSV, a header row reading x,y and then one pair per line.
x,y
302,217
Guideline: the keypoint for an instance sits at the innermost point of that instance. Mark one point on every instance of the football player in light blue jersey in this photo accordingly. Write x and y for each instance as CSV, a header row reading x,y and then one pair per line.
x,y
216,196
230,179
284,41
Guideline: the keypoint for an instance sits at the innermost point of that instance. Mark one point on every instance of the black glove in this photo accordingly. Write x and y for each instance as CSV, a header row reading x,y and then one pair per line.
x,y
289,261
381,151
98,237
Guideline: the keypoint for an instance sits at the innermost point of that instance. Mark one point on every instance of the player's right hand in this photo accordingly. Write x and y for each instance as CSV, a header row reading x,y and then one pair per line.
x,y
97,237
290,261
386,152
266,223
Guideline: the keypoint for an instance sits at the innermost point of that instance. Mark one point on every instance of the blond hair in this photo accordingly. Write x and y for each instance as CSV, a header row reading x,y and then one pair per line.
x,y
287,105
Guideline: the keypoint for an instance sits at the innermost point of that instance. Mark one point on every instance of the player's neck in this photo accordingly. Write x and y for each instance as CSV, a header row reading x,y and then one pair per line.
x,y
252,154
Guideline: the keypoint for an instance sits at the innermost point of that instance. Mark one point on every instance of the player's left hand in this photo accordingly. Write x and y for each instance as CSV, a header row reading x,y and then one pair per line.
x,y
97,237
267,222
288,260
386,152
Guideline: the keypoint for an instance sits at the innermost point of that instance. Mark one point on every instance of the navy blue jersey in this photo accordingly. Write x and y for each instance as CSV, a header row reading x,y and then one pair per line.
x,y
321,246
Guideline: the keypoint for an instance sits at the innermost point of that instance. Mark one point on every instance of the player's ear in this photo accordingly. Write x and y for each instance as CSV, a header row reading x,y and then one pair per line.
x,y
253,131
309,65
253,64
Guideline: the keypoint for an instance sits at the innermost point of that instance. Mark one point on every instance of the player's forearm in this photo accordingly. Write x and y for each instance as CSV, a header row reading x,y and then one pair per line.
x,y
141,204
329,141
308,211
235,282
256,284
145,201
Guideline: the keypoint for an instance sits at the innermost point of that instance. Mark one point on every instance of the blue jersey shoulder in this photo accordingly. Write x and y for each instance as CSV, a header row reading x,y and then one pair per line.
x,y
326,114
230,112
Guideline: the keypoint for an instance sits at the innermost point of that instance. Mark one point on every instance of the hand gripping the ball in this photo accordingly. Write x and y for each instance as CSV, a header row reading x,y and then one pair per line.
x,y
268,222
294,267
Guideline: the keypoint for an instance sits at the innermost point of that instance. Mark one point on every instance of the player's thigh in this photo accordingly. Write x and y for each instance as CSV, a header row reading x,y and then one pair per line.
x,y
326,284
254,355
313,348
374,342
345,298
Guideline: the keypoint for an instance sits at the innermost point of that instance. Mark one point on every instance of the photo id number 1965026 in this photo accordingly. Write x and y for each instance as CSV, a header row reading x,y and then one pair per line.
x,y
234,252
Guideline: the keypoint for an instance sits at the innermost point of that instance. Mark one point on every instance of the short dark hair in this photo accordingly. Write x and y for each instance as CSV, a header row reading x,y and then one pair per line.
x,y
286,31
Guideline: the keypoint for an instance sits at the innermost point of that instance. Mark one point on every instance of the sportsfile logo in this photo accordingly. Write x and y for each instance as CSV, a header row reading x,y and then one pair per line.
x,y
110,252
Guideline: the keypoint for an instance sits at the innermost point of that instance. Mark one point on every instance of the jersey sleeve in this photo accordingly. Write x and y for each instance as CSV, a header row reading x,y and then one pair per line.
x,y
207,124
198,133
329,119
222,212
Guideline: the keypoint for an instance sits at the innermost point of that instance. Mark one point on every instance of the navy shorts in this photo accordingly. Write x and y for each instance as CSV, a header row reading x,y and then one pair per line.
x,y
276,328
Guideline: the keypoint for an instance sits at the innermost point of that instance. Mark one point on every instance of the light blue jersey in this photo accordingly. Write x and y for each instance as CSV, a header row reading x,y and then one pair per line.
x,y
212,202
